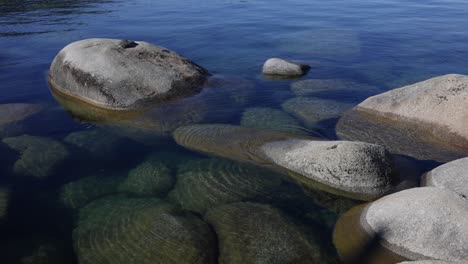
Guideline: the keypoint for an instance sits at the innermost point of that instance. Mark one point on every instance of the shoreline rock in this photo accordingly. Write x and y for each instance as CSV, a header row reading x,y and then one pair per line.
x,y
280,67
452,176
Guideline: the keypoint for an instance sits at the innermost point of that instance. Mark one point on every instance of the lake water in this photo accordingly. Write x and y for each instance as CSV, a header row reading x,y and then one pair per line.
x,y
48,215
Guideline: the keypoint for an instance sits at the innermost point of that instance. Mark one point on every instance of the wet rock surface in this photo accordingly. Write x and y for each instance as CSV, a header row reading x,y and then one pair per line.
x,y
123,74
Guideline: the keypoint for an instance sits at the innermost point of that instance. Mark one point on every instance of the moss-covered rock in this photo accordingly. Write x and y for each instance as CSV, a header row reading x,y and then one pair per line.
x,y
256,233
271,119
118,229
40,156
208,183
148,178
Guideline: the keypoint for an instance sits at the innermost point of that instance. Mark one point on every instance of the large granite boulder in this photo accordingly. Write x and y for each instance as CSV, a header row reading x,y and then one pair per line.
x,y
414,224
40,156
122,74
280,67
120,229
257,233
13,115
426,120
452,176
354,169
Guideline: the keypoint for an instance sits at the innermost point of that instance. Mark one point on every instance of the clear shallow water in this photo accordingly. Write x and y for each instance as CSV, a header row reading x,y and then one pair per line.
x,y
385,44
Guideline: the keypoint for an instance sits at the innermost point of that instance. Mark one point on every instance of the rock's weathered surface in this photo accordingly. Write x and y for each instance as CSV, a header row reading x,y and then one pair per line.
x,y
432,113
256,233
415,224
148,178
452,176
122,74
271,119
275,66
207,183
121,230
429,262
12,115
354,169
39,156
312,110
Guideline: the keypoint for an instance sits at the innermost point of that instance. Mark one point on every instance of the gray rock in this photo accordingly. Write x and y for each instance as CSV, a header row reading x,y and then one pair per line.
x,y
12,115
432,113
417,224
40,156
354,169
430,262
271,119
313,110
452,176
123,74
275,66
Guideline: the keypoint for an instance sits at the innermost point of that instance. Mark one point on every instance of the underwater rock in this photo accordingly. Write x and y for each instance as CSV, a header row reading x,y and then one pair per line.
x,y
256,233
123,74
313,111
452,176
40,156
97,144
229,141
271,119
275,66
119,229
336,88
208,183
425,120
356,170
13,115
226,92
172,157
4,202
34,250
85,190
148,178
414,224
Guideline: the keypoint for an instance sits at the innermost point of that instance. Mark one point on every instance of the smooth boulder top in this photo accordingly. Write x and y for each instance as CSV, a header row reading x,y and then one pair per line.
x,y
360,170
122,75
421,223
429,262
452,176
275,66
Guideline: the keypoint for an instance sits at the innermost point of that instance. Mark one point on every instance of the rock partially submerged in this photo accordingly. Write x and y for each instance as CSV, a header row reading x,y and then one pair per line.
x,y
415,224
256,233
452,176
121,230
354,169
275,66
40,156
121,74
426,120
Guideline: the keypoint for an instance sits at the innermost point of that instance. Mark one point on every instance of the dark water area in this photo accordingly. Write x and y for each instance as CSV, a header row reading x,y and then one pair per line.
x,y
378,44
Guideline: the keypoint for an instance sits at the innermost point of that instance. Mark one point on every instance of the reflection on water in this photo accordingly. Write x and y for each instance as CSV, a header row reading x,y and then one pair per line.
x,y
80,185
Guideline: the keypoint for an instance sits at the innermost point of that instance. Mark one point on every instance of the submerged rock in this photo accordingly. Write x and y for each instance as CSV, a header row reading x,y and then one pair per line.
x,y
425,120
148,178
275,66
40,156
313,111
119,229
208,183
13,115
256,233
354,169
415,224
123,74
34,250
271,119
452,176
4,202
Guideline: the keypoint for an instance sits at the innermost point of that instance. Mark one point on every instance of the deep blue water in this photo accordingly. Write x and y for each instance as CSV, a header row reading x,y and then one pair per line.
x,y
386,44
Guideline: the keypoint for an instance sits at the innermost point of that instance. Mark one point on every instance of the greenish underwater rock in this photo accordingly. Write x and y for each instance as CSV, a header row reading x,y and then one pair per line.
x,y
122,230
81,192
313,110
148,178
40,156
257,233
271,119
13,115
208,183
